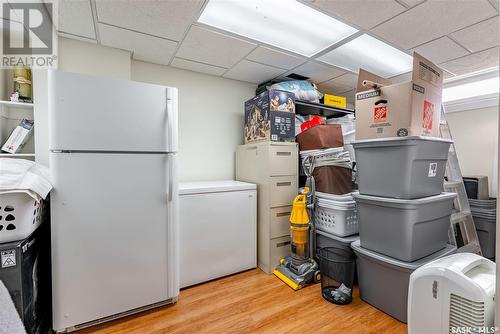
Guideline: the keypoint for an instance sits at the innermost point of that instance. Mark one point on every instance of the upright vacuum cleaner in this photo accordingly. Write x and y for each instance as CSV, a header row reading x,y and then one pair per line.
x,y
299,268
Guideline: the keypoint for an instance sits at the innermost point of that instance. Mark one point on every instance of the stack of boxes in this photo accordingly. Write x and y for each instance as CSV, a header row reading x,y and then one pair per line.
x,y
403,213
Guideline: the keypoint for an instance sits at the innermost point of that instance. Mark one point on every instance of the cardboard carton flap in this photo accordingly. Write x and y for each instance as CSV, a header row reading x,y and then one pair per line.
x,y
426,72
365,75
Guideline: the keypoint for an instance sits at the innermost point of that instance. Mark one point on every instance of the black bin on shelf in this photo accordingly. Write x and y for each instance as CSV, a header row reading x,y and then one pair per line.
x,y
337,267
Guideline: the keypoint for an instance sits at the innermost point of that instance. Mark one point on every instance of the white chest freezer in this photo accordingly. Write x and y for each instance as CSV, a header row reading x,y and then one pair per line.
x,y
218,229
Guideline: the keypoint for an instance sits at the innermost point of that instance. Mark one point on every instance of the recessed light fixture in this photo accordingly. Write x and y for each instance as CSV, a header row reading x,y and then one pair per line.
x,y
287,24
370,54
471,89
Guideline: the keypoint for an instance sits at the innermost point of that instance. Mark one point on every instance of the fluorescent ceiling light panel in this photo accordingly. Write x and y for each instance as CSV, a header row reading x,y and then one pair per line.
x,y
286,24
370,54
472,89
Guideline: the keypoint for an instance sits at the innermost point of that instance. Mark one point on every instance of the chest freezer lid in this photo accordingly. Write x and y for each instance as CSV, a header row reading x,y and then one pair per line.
x,y
205,187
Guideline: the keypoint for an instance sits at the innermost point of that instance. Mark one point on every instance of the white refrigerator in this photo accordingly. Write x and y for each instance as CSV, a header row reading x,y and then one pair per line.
x,y
114,215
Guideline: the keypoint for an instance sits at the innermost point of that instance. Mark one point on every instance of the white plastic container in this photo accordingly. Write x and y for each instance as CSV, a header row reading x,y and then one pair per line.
x,y
20,215
336,215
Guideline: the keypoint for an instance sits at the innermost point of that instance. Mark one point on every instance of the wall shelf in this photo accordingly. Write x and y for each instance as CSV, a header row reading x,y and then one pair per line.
x,y
310,108
17,155
17,105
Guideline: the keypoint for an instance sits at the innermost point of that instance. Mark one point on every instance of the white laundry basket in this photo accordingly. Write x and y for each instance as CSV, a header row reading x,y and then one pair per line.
x,y
20,215
337,217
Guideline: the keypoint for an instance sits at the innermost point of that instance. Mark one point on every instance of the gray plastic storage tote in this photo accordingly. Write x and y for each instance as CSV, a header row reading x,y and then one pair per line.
x,y
383,281
408,167
404,229
486,232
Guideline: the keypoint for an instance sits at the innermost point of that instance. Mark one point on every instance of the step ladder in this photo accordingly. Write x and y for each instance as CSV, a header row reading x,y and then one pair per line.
x,y
462,231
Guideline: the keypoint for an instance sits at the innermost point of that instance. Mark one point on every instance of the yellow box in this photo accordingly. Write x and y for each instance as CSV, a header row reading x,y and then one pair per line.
x,y
335,101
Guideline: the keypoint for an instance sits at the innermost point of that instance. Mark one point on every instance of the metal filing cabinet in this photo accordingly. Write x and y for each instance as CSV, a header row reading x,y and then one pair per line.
x,y
273,166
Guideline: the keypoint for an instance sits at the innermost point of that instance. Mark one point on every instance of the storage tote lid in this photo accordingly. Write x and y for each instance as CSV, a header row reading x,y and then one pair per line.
x,y
410,266
397,141
204,187
389,201
345,240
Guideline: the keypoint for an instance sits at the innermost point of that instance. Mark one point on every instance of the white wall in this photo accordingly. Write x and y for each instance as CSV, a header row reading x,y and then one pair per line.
x,y
210,118
476,140
88,58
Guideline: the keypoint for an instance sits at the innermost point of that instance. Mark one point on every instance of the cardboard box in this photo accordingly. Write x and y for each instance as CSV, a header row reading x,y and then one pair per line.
x,y
19,137
335,101
270,116
407,109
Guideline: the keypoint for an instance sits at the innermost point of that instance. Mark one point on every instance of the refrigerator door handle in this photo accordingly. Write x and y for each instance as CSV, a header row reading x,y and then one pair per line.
x,y
171,118
170,186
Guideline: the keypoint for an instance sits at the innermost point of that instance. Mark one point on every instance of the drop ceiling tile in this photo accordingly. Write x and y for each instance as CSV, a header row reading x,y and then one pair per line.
x,y
78,38
213,48
275,58
365,14
346,82
473,62
447,75
75,17
197,67
253,72
145,47
433,19
441,50
317,72
168,19
480,36
494,3
401,78
411,3
326,88
341,84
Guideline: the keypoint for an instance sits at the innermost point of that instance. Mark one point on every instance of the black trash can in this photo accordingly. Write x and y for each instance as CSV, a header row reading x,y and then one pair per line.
x,y
337,267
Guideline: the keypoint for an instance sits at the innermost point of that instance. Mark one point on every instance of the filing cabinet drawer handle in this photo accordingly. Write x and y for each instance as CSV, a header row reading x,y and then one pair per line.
x,y
282,214
284,153
284,184
282,244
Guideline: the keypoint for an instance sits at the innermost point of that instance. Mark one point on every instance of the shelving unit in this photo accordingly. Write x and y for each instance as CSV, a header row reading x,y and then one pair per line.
x,y
310,108
11,114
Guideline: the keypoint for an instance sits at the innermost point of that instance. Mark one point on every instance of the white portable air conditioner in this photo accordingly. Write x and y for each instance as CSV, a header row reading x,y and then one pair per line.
x,y
454,294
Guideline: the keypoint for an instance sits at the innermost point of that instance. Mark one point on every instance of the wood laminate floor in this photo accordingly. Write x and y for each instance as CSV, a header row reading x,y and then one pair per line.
x,y
253,302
